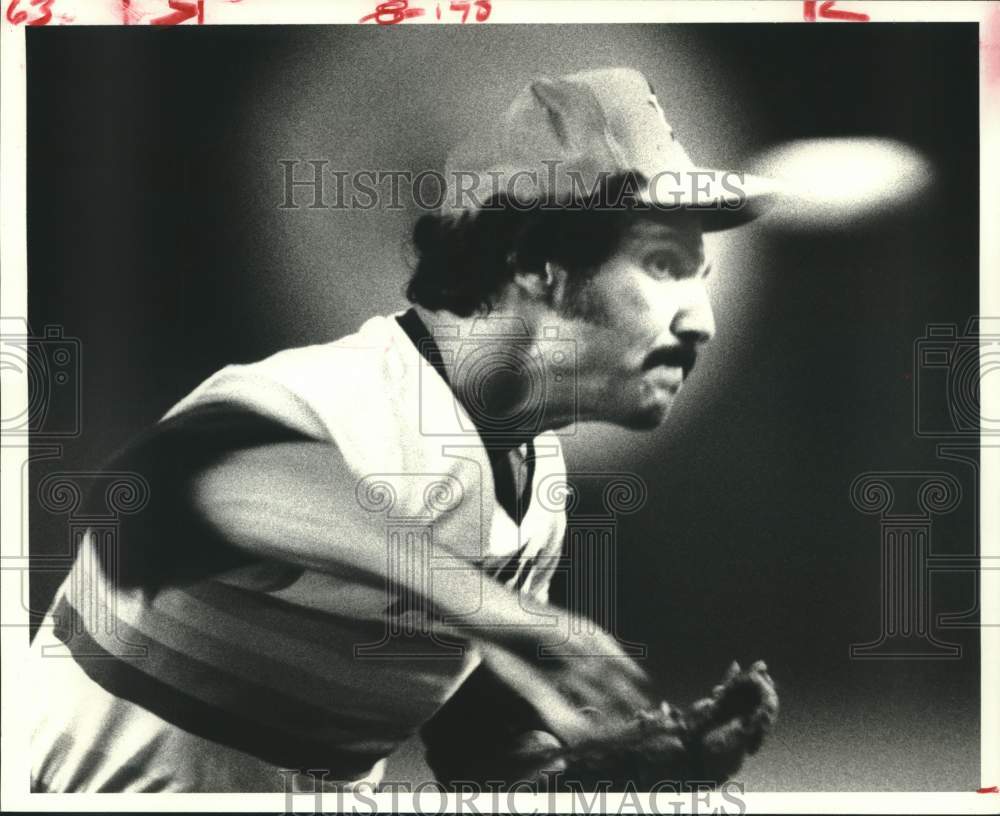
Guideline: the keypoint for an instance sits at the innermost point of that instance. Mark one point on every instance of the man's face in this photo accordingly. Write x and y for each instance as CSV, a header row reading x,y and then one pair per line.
x,y
639,321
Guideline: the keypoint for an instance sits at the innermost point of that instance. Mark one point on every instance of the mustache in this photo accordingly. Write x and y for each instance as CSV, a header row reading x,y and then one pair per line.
x,y
683,357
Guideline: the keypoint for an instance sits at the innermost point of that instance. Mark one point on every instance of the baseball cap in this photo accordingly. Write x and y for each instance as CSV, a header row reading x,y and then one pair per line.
x,y
560,137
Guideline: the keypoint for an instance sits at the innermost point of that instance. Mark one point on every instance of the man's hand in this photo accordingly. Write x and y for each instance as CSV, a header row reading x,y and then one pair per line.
x,y
563,665
706,742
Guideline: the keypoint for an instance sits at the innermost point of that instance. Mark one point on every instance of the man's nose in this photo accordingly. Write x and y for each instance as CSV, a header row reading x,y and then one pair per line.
x,y
693,322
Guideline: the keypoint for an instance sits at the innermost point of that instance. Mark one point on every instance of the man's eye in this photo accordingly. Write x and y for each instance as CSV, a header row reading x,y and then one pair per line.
x,y
661,265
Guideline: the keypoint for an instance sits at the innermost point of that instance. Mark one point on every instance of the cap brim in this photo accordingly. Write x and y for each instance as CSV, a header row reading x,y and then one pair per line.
x,y
723,199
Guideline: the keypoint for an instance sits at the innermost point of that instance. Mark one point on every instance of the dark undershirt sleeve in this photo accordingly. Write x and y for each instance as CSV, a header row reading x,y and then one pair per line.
x,y
164,543
467,739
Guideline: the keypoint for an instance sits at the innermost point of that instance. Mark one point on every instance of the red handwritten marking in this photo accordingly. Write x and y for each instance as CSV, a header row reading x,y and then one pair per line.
x,y
392,12
989,46
18,17
129,15
182,10
15,18
828,12
483,8
994,789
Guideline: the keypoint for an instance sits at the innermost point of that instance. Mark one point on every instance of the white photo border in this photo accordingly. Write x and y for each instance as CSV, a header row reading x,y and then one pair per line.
x,y
14,778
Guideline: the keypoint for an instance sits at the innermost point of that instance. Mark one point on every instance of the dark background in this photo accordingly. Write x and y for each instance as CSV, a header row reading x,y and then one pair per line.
x,y
155,237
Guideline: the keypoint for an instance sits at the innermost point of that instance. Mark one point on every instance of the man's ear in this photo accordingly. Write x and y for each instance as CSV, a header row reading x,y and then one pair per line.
x,y
541,285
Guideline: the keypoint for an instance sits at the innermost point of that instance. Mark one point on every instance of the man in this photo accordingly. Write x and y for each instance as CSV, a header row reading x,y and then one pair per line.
x,y
340,534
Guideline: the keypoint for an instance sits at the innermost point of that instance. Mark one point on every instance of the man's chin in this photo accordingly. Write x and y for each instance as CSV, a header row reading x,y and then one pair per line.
x,y
648,417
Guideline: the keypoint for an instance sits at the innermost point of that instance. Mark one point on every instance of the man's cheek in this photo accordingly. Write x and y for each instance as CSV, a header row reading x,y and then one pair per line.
x,y
634,303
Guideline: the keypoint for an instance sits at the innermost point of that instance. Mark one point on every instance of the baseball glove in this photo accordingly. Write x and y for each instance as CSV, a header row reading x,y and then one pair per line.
x,y
704,743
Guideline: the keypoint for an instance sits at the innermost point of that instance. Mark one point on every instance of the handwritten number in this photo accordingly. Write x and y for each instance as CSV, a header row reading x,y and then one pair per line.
x,y
16,17
19,16
392,12
45,6
828,12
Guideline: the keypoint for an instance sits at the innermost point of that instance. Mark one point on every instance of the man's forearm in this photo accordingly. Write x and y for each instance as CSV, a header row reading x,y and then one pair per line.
x,y
295,502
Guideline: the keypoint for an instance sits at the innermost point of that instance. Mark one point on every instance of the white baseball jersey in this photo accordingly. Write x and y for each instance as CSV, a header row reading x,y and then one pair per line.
x,y
219,682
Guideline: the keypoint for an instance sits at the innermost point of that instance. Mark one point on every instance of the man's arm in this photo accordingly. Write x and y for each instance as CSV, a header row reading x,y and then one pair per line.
x,y
295,502
163,544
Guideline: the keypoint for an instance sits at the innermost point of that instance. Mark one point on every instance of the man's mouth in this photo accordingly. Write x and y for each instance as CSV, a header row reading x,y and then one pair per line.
x,y
682,357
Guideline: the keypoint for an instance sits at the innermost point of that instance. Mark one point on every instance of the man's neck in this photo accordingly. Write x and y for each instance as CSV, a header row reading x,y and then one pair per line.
x,y
496,372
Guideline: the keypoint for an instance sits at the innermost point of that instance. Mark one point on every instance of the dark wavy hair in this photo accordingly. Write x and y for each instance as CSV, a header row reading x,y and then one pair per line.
x,y
463,263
